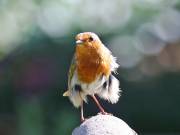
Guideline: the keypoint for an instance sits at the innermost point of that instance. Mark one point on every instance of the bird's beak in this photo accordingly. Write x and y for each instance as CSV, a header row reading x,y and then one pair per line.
x,y
66,93
79,42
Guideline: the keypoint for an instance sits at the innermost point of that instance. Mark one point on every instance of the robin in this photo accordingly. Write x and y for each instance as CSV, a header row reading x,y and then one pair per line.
x,y
91,71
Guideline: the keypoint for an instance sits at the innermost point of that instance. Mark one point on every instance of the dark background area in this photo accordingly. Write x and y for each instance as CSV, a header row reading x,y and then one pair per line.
x,y
37,44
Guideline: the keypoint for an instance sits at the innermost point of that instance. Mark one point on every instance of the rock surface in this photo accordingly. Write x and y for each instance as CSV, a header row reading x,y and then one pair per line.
x,y
104,125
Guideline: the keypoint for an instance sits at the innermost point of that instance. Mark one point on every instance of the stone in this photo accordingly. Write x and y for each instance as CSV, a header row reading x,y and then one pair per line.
x,y
104,125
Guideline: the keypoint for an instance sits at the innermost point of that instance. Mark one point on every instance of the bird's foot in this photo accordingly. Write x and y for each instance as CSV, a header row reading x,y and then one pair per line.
x,y
83,120
105,113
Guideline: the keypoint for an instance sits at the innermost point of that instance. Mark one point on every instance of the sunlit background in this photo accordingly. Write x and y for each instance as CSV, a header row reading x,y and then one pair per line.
x,y
37,44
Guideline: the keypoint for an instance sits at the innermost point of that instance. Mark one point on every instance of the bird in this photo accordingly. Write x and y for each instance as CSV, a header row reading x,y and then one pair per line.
x,y
92,73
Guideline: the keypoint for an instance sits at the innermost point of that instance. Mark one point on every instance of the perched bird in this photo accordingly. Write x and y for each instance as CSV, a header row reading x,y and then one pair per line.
x,y
91,71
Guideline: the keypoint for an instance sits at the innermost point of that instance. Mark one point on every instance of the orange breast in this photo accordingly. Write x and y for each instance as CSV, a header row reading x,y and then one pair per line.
x,y
90,63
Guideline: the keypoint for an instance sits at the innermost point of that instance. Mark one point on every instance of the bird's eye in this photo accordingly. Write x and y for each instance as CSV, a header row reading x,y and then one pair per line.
x,y
91,39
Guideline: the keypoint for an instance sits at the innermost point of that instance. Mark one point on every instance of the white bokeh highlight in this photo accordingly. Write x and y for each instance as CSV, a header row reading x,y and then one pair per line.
x,y
123,48
167,25
146,40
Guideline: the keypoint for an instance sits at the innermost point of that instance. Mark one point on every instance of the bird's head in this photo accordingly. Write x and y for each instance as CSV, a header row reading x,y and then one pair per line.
x,y
87,38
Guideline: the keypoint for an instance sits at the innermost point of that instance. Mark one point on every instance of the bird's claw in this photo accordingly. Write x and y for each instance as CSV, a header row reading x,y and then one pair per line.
x,y
105,113
83,120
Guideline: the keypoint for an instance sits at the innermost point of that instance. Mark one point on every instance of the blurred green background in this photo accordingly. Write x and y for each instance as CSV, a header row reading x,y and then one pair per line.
x,y
37,44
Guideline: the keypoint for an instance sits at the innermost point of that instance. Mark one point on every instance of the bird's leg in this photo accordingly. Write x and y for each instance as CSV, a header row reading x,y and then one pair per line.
x,y
98,104
82,113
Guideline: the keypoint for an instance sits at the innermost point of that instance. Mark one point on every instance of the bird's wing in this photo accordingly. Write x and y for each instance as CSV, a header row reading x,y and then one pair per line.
x,y
70,76
71,71
114,65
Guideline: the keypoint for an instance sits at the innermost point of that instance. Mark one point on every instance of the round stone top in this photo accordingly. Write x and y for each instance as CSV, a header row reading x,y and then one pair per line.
x,y
104,125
